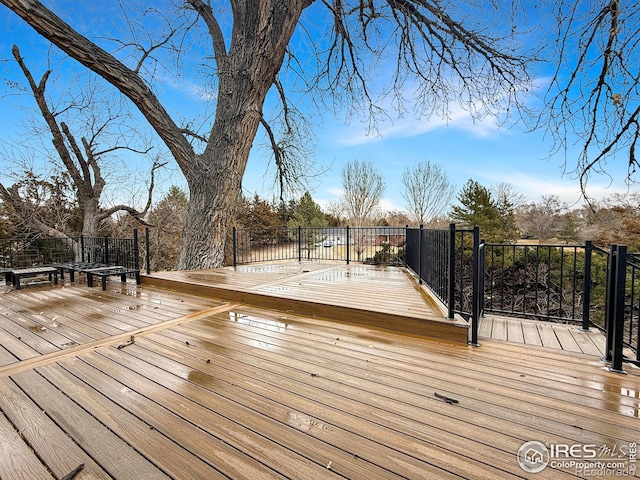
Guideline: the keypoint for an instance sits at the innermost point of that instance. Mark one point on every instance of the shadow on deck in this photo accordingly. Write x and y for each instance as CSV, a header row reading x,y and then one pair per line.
x,y
386,298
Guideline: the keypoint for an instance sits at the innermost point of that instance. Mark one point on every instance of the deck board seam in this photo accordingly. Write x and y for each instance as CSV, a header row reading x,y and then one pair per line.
x,y
31,363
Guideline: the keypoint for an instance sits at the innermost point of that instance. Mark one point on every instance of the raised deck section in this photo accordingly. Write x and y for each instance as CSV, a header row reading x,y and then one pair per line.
x,y
385,298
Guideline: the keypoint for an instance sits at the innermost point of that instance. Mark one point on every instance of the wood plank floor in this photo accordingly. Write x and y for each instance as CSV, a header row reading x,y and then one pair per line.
x,y
42,320
209,389
546,334
385,297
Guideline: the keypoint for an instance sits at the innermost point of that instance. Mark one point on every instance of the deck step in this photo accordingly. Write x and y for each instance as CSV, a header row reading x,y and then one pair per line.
x,y
379,299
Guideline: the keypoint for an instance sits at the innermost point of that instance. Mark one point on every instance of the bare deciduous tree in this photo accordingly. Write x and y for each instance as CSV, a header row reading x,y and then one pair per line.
x,y
363,189
81,166
542,220
427,192
594,91
449,50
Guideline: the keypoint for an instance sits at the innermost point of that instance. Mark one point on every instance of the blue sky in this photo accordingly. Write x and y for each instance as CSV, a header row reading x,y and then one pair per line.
x,y
465,149
482,151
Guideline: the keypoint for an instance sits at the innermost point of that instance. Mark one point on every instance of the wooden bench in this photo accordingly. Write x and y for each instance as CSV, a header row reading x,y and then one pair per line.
x,y
112,271
18,273
73,267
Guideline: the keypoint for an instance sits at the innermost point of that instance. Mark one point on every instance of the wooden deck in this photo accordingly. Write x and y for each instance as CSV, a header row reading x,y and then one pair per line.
x,y
544,334
382,297
210,389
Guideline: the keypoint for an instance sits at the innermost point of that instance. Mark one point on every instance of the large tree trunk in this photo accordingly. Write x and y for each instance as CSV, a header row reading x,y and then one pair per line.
x,y
261,33
90,220
246,70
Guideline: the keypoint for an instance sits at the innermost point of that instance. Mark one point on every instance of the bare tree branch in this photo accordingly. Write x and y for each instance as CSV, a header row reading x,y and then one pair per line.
x,y
427,192
596,85
81,162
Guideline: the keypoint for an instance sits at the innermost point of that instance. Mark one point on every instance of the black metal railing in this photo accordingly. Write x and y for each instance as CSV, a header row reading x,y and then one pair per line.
x,y
110,251
449,263
37,250
539,281
380,245
621,323
42,250
631,325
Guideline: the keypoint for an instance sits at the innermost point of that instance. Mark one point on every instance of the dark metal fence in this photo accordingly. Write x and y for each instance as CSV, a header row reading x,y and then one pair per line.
x,y
448,261
566,283
27,252
110,251
540,281
631,326
379,245
622,307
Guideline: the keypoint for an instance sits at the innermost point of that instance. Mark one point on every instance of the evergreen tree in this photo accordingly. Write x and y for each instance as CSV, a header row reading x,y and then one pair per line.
x,y
478,208
307,213
506,228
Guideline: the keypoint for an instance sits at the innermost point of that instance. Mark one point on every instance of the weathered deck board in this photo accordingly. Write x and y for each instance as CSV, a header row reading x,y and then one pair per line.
x,y
540,333
215,390
57,449
43,321
18,460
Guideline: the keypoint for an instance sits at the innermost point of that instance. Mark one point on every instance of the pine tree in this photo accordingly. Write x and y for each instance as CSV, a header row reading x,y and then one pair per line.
x,y
478,208
307,213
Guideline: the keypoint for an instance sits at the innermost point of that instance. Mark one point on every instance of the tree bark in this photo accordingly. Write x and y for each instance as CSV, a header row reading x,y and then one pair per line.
x,y
260,35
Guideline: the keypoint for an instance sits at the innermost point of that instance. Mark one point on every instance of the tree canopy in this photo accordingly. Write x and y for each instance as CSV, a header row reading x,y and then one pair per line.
x,y
436,46
468,54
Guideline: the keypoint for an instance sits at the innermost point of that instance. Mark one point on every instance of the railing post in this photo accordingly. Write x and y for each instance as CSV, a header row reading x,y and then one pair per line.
x,y
619,260
299,243
406,228
348,244
82,248
148,254
586,295
235,246
482,265
106,250
136,256
420,237
451,290
136,249
475,296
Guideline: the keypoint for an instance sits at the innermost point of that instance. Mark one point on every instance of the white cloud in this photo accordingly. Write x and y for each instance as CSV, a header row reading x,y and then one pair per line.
x,y
389,205
404,127
534,187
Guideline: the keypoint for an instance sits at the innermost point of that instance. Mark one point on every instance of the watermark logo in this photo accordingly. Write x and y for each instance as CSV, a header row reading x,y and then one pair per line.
x,y
585,460
533,457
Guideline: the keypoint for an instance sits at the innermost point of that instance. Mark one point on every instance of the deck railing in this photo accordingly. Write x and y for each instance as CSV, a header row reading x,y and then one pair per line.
x,y
563,283
449,262
110,251
539,281
380,245
44,250
35,250
621,323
